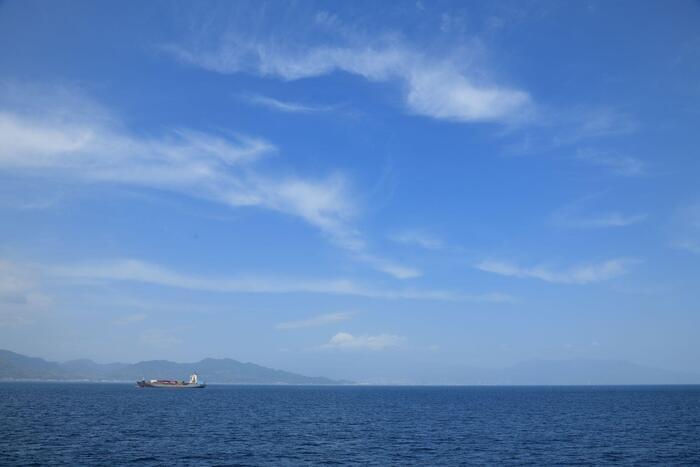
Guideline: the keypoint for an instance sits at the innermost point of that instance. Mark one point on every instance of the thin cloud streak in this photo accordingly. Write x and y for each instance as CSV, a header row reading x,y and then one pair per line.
x,y
130,319
686,226
600,221
566,128
417,237
625,166
21,295
316,321
68,143
284,106
160,339
585,274
577,215
143,272
394,269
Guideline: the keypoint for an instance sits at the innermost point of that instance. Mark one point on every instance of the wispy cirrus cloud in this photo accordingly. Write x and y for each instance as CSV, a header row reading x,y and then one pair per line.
x,y
597,221
21,293
160,339
78,143
597,123
623,165
555,129
584,274
578,215
686,228
284,106
130,319
689,244
442,88
315,321
131,270
347,341
389,267
418,237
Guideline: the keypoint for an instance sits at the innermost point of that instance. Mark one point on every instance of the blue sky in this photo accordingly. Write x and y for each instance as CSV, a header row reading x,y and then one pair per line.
x,y
360,190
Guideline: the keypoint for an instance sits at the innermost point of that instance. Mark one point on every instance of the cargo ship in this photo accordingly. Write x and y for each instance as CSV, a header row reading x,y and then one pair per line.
x,y
193,383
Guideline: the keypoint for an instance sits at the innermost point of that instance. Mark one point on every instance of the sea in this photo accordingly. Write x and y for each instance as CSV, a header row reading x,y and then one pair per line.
x,y
80,424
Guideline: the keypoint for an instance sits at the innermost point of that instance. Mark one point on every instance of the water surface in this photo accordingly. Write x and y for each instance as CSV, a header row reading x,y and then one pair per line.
x,y
115,424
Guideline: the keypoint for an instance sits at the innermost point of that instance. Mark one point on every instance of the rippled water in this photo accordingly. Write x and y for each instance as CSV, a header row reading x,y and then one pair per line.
x,y
113,424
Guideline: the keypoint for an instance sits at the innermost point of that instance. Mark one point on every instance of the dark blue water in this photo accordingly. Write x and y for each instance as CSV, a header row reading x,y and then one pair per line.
x,y
111,424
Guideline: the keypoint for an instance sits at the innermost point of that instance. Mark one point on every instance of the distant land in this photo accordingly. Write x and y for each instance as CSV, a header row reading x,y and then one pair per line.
x,y
574,372
14,366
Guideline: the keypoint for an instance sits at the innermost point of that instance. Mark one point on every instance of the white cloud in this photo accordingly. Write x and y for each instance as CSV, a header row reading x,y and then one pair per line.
x,y
418,237
318,320
577,275
70,143
285,106
139,271
344,340
181,161
438,88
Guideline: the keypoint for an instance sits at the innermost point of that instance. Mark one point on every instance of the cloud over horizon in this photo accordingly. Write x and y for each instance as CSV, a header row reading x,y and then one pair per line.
x,y
347,341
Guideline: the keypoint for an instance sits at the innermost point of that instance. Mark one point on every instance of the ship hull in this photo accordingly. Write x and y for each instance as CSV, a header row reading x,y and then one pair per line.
x,y
176,385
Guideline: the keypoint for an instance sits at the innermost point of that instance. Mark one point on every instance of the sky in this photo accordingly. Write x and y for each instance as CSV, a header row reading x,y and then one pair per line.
x,y
363,190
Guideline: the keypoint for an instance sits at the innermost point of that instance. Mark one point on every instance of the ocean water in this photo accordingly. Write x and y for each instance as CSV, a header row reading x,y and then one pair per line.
x,y
118,424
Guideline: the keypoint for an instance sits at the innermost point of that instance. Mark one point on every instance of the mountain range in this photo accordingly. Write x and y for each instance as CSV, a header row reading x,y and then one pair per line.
x,y
14,366
576,371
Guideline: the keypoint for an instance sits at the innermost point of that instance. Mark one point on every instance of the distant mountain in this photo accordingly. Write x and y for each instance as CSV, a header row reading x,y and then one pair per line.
x,y
532,372
593,371
560,372
16,366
